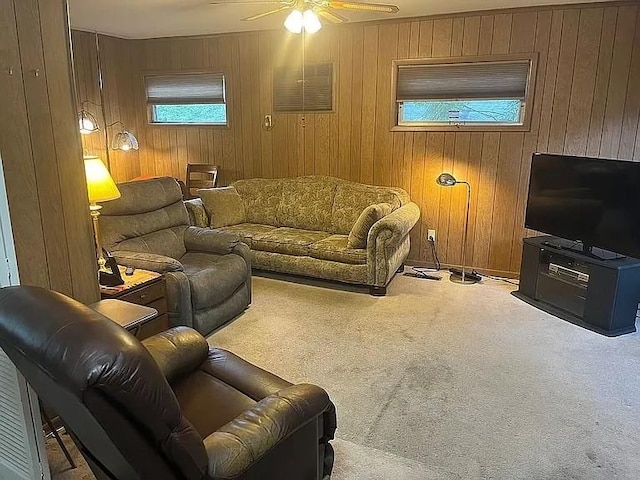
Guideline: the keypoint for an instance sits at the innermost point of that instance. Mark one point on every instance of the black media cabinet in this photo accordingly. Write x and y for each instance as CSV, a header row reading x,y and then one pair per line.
x,y
601,295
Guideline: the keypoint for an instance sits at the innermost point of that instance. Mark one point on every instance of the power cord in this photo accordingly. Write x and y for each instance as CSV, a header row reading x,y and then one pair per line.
x,y
426,273
500,279
434,252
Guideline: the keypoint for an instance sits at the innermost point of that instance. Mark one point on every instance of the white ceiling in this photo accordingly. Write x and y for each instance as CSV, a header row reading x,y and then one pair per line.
x,y
169,18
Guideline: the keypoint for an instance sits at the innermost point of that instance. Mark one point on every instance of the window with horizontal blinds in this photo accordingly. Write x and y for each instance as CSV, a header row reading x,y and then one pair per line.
x,y
293,93
187,99
184,89
468,92
462,81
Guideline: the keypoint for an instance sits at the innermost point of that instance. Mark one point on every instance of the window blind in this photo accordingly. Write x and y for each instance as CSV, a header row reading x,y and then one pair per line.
x,y
184,89
463,81
318,88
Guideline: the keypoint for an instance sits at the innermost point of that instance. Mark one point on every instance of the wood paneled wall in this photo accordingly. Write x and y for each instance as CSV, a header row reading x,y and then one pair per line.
x,y
586,102
41,153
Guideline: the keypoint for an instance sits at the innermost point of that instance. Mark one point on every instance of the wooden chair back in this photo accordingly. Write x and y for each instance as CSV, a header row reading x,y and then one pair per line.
x,y
200,175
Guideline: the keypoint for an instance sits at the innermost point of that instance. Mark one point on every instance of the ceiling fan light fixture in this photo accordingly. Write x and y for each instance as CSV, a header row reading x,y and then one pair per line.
x,y
311,21
295,21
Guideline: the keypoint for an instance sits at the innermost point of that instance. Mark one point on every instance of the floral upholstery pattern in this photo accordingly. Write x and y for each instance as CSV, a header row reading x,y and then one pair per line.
x,y
310,267
351,199
261,199
290,241
248,231
335,248
306,204
367,219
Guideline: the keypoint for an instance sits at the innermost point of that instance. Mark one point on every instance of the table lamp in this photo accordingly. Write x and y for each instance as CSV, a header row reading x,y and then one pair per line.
x,y
101,188
463,277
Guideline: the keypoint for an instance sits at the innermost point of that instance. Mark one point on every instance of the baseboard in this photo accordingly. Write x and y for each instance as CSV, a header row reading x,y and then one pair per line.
x,y
486,271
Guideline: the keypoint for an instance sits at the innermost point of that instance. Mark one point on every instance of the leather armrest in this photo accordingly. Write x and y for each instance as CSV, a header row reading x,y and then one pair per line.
x,y
242,442
177,351
210,241
147,261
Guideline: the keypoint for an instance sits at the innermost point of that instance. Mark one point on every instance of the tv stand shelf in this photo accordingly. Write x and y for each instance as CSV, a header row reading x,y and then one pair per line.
x,y
601,295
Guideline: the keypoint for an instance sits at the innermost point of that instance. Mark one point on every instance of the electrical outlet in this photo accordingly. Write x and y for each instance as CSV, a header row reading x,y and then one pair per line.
x,y
431,235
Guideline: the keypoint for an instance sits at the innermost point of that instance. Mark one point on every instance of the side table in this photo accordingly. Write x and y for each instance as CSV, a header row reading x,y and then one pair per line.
x,y
142,288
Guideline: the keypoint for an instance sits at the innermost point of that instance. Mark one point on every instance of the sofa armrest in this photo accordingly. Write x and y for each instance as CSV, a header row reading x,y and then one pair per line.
x,y
177,351
388,243
197,214
210,241
398,224
147,261
239,444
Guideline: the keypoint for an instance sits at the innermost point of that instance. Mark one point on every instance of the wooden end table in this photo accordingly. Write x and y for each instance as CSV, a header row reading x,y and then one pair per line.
x,y
142,288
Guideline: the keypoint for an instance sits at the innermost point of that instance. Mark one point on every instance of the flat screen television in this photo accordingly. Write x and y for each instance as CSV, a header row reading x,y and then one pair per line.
x,y
593,202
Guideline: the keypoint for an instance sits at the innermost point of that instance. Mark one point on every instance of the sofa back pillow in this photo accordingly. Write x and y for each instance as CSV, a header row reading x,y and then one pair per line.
x,y
261,197
366,220
223,205
306,204
352,198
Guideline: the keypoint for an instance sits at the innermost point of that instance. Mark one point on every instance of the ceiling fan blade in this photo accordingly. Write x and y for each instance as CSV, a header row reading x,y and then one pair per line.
x,y
364,7
249,2
333,17
266,14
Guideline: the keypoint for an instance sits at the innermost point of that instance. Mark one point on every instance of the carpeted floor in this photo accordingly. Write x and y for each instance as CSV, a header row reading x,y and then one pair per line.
x,y
444,381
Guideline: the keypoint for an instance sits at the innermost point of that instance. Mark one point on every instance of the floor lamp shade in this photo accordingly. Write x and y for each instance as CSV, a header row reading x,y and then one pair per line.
x,y
100,185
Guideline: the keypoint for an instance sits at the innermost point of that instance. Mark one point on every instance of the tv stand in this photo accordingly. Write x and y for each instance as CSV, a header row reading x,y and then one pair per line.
x,y
599,294
593,252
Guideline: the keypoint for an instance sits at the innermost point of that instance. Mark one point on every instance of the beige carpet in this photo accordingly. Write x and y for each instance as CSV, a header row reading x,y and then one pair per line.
x,y
443,381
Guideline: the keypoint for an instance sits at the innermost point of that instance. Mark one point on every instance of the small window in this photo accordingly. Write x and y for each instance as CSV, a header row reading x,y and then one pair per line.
x,y
289,96
464,93
187,99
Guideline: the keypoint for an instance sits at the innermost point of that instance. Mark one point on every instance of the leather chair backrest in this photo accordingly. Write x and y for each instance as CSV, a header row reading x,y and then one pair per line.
x,y
105,386
149,217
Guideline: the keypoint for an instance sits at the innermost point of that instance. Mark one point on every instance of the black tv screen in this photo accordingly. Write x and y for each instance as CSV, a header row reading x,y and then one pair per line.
x,y
591,200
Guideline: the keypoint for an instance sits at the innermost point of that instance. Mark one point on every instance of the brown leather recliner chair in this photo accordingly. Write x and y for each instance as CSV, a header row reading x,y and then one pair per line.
x,y
193,413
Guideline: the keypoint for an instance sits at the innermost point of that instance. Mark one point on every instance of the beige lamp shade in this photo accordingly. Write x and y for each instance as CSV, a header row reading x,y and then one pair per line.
x,y
100,185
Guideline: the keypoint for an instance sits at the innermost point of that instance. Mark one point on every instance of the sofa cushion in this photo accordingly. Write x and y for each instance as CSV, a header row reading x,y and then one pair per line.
x,y
248,231
366,220
290,241
351,199
261,199
335,248
306,204
224,206
213,278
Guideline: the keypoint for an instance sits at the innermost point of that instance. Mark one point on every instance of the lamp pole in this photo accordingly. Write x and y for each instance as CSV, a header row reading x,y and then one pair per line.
x,y
466,231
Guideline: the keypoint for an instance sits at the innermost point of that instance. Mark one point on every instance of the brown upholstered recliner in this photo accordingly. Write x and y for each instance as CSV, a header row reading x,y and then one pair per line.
x,y
208,273
193,413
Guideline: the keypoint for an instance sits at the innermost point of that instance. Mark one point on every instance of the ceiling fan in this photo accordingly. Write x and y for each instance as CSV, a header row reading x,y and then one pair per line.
x,y
304,12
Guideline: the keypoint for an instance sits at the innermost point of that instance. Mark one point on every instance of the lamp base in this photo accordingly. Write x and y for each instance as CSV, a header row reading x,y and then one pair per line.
x,y
455,278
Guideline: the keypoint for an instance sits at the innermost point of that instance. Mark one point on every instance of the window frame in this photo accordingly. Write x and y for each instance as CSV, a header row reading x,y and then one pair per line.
x,y
528,102
214,126
303,111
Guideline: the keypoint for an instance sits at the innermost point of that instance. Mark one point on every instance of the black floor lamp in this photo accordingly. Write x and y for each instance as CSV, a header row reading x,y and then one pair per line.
x,y
463,277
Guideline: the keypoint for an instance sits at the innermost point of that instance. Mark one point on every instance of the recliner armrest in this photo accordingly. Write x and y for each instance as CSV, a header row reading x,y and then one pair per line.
x,y
177,351
242,442
210,241
147,261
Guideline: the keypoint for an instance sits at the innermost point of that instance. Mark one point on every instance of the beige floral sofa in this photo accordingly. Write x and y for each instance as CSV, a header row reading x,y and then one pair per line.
x,y
315,226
